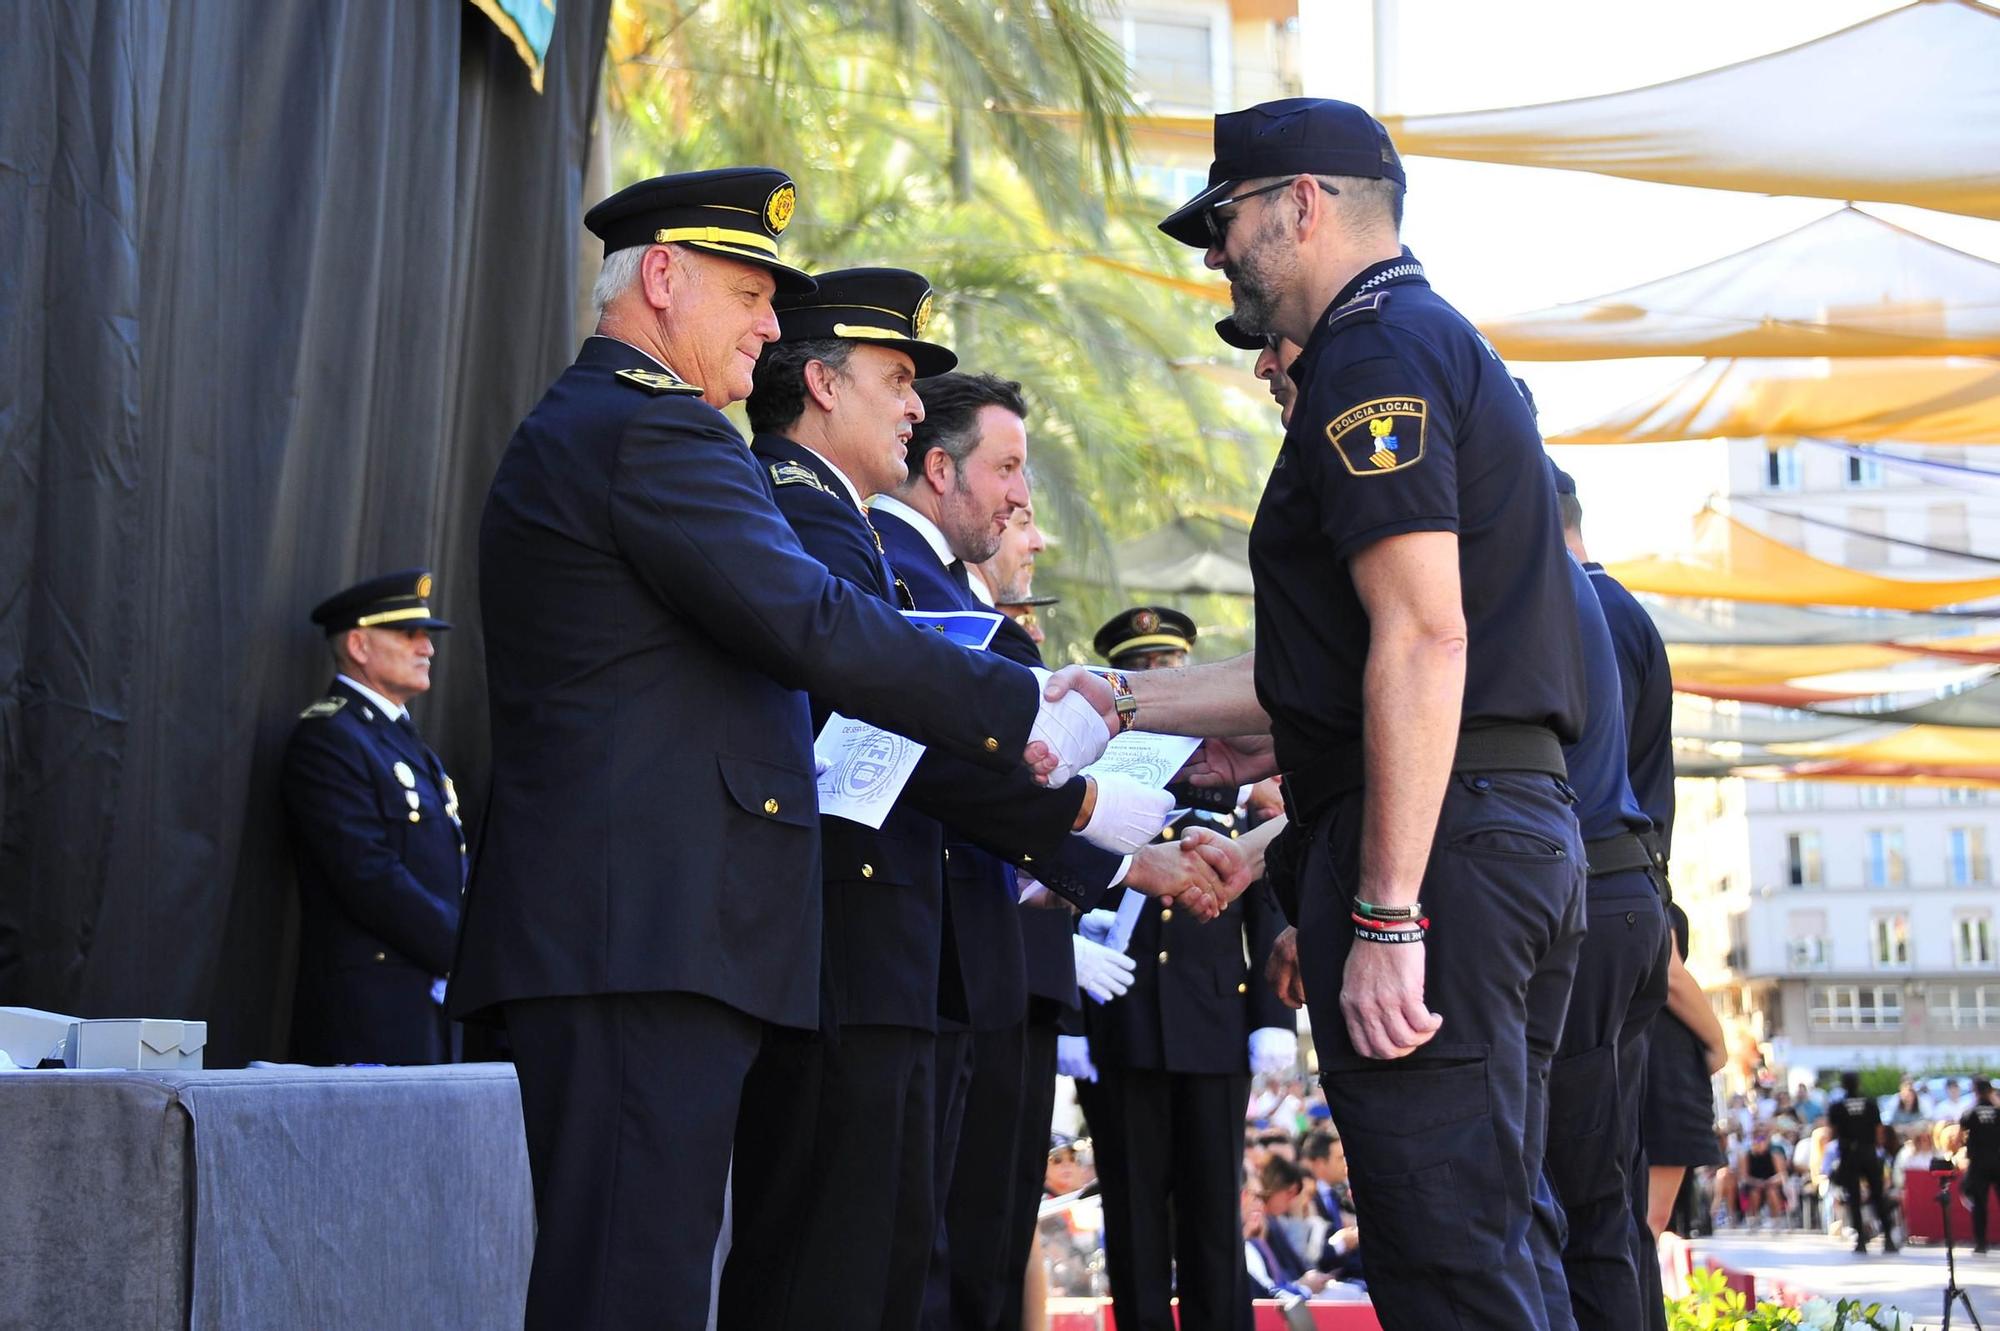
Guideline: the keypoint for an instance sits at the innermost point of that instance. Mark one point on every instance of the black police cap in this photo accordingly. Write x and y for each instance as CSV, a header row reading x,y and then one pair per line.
x,y
1292,136
888,307
1144,628
737,211
1232,333
392,601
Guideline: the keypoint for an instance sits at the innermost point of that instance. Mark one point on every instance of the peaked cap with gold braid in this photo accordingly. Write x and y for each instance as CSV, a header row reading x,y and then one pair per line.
x,y
737,211
392,601
890,307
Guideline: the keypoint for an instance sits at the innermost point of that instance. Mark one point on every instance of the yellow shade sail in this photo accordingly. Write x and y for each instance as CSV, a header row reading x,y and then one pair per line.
x,y
1846,285
1734,562
1935,747
1723,664
1903,108
1898,399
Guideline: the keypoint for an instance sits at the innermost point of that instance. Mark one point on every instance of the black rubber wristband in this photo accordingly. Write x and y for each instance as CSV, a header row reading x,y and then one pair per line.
x,y
1389,935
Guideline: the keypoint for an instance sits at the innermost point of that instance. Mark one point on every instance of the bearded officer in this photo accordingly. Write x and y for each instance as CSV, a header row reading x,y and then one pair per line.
x,y
838,1194
645,904
1419,670
376,837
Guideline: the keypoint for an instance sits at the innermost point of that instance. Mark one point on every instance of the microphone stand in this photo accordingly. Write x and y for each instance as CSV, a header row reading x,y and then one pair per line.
x,y
1952,1292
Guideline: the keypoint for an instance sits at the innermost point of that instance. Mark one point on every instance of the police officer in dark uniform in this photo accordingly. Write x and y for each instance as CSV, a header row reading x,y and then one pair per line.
x,y
1621,984
1173,1061
376,836
1857,1126
967,466
838,1194
1419,669
644,906
1981,1125
1677,1124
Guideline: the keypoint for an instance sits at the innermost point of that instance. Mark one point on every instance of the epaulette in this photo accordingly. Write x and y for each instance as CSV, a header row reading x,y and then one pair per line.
x,y
1369,305
323,708
660,381
796,473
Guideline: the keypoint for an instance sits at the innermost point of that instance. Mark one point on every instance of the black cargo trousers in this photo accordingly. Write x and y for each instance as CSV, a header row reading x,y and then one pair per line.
x,y
1444,1146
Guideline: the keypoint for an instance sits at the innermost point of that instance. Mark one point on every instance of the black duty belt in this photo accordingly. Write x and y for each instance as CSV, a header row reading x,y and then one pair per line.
x,y
1312,787
1616,854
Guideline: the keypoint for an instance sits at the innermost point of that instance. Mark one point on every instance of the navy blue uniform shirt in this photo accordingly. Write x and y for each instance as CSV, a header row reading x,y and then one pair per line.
x,y
1605,805
1408,421
1648,686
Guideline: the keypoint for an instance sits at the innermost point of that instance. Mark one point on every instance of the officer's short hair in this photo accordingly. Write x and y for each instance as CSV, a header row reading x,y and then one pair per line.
x,y
620,271
1278,1174
1369,200
778,385
1571,509
1317,1146
952,403
1850,1082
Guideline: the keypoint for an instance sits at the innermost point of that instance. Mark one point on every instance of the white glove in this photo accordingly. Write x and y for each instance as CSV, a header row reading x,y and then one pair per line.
x,y
1274,1051
1073,1057
1128,814
1102,973
1072,729
1097,925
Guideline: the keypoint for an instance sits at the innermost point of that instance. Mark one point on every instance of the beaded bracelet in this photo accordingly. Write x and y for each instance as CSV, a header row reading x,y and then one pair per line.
x,y
1368,935
1375,912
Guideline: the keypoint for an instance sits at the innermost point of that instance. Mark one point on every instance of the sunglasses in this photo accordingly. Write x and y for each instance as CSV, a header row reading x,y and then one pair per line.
x,y
1218,226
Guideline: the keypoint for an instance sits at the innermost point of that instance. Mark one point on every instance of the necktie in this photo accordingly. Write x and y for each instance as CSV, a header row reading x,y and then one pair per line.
x,y
960,577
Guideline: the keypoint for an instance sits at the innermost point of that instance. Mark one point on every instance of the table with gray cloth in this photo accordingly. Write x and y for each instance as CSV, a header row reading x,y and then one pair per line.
x,y
282,1198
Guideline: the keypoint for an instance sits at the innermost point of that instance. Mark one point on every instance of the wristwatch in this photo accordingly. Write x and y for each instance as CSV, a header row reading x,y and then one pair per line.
x,y
1128,705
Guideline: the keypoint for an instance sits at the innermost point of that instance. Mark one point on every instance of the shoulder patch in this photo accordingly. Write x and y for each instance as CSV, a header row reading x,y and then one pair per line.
x,y
1380,436
658,381
323,708
1361,309
796,473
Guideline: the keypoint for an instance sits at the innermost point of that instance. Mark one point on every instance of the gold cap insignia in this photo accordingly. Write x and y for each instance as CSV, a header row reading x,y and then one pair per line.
x,y
424,587
1146,621
921,320
778,208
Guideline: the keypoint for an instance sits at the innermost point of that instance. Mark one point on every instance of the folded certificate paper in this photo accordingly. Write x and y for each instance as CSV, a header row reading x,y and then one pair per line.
x,y
866,766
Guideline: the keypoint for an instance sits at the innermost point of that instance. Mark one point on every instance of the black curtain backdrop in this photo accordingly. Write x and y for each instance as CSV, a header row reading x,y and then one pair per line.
x,y
277,280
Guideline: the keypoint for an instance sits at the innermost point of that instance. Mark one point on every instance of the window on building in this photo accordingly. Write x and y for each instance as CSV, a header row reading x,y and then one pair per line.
x,y
1781,468
1965,856
1796,796
1965,1007
1960,796
1948,526
1881,797
1884,865
1851,1007
1890,940
1975,939
1807,947
1803,866
1864,548
1864,471
1171,59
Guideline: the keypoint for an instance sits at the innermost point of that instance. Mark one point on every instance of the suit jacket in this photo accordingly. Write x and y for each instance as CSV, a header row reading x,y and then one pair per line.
x,y
1198,990
1048,956
885,889
651,626
380,876
983,979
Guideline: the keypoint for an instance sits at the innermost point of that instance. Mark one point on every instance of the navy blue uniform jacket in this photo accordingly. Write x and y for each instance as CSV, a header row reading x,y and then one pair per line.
x,y
378,893
983,982
651,626
884,889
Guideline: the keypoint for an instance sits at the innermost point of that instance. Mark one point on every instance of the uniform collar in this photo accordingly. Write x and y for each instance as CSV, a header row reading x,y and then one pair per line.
x,y
923,526
603,346
1389,272
785,447
390,711
838,474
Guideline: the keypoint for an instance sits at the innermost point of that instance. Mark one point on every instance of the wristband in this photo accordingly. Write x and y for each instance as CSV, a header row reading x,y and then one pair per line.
x,y
1375,912
1366,923
1368,935
1127,704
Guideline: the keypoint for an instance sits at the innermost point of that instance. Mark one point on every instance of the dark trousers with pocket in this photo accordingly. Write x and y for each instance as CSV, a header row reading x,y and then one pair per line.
x,y
1595,1095
1978,1183
833,1203
629,1103
1444,1146
1031,1155
978,1207
1169,1163
1858,1165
